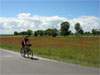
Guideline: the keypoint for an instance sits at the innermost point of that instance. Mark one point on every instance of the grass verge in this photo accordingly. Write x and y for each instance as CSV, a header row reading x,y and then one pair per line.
x,y
80,56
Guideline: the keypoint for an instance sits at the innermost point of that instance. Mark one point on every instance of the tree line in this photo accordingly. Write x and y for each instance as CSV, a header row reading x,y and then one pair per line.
x,y
64,31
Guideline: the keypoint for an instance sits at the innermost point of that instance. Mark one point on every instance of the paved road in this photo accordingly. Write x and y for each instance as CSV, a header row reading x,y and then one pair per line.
x,y
13,64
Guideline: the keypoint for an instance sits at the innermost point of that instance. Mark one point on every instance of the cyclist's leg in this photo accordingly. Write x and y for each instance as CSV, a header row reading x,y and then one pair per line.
x,y
22,51
25,50
30,53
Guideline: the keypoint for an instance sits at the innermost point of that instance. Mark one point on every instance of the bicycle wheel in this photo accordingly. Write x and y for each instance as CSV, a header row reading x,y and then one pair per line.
x,y
22,52
30,53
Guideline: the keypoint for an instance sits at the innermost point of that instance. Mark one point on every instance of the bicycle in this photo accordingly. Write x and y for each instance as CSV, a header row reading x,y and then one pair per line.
x,y
26,51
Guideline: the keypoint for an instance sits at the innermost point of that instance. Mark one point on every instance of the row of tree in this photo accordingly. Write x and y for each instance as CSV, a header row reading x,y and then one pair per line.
x,y
64,30
28,32
48,32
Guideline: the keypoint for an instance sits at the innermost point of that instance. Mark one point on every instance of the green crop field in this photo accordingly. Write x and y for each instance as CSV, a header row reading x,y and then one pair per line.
x,y
78,50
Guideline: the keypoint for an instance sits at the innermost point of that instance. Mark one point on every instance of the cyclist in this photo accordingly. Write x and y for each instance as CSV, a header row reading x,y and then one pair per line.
x,y
25,44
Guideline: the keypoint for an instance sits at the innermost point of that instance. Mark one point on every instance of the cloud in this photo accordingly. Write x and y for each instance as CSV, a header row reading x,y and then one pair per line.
x,y
24,21
87,23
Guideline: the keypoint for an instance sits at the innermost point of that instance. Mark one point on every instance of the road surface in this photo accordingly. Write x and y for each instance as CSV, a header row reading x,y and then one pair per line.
x,y
12,63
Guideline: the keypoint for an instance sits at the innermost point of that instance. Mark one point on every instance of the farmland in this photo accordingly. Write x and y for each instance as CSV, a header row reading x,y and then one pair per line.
x,y
78,50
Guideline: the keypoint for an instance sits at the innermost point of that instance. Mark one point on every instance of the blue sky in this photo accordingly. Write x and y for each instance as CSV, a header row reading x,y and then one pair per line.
x,y
62,8
20,15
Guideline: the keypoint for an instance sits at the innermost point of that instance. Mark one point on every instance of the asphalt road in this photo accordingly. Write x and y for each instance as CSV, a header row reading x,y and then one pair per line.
x,y
12,63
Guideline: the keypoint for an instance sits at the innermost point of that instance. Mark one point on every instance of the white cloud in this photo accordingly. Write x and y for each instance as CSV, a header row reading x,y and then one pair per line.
x,y
87,22
24,21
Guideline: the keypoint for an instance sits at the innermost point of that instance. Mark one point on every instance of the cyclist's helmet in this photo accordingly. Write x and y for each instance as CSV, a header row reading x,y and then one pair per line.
x,y
26,38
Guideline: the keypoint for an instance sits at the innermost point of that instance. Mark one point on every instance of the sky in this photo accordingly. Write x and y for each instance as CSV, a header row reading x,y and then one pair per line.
x,y
65,8
21,15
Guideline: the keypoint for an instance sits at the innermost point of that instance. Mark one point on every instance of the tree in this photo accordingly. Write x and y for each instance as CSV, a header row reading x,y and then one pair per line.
x,y
78,28
93,31
16,33
48,32
40,32
65,28
35,33
87,33
81,31
51,32
23,33
54,32
29,32
96,31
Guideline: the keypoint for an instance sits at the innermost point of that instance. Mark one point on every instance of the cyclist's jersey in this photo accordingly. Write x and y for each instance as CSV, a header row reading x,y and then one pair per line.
x,y
22,43
25,42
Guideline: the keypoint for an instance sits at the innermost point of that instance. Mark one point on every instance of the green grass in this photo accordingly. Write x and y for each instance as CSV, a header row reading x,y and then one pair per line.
x,y
70,55
10,47
84,51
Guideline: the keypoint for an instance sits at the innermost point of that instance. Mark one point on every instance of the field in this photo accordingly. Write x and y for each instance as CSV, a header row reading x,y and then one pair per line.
x,y
78,50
